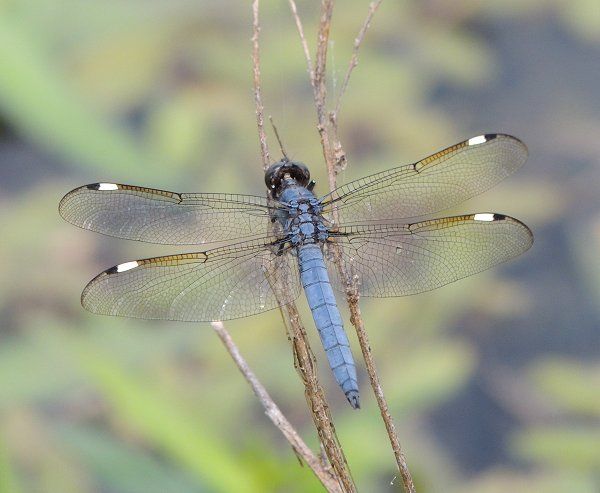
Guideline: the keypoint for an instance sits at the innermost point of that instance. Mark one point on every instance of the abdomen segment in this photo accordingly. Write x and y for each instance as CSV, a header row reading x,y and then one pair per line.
x,y
328,320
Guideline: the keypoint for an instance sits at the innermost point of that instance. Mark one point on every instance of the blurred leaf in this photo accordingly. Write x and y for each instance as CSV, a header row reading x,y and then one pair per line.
x,y
428,375
572,385
120,468
8,480
548,481
583,17
458,57
39,103
28,283
44,465
26,378
178,129
119,73
367,447
280,469
561,448
187,439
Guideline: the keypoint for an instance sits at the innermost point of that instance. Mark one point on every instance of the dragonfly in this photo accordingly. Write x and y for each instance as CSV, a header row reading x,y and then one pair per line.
x,y
266,250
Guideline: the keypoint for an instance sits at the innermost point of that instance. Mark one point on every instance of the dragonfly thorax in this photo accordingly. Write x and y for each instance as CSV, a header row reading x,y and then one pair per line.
x,y
305,223
301,216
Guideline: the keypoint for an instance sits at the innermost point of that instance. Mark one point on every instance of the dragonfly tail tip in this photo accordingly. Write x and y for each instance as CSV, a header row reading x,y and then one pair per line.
x,y
353,399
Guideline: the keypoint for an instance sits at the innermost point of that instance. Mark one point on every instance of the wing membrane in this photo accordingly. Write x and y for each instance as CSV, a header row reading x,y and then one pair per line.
x,y
159,216
403,259
220,284
433,184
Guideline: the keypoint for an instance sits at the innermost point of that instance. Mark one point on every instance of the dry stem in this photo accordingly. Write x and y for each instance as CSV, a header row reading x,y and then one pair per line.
x,y
303,355
311,72
322,471
373,6
305,365
335,159
260,119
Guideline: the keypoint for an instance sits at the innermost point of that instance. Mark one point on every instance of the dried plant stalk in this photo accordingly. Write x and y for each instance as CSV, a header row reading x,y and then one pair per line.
x,y
373,6
322,471
335,159
303,355
305,364
260,118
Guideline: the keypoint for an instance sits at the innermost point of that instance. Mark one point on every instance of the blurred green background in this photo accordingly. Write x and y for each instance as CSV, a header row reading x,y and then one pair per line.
x,y
493,381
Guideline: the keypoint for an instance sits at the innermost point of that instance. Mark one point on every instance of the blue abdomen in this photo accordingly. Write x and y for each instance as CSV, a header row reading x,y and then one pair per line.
x,y
328,320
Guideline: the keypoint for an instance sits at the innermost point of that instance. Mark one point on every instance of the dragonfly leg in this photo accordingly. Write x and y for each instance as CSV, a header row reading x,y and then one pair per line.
x,y
280,248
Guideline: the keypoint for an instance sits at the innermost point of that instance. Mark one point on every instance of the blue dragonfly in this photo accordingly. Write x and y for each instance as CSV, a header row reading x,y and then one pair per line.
x,y
289,239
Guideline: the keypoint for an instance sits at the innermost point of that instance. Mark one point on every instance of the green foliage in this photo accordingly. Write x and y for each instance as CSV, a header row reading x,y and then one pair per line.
x,y
558,447
572,385
40,103
119,466
185,438
572,446
430,374
8,484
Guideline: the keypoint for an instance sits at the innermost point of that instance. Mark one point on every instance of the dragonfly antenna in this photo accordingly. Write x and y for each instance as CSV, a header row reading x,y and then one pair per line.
x,y
278,139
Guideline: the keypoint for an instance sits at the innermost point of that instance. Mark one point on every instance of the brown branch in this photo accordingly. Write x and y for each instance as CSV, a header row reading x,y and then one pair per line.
x,y
317,73
322,471
306,367
365,346
260,119
320,83
310,68
335,159
303,356
373,6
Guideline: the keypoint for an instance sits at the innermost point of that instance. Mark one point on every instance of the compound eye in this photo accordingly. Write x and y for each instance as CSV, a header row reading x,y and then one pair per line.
x,y
302,174
272,176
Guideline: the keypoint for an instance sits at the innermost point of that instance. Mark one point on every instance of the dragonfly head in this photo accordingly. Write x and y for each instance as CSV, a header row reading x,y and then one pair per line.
x,y
285,173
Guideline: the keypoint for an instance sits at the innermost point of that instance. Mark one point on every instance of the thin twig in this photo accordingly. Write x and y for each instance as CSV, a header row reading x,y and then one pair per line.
x,y
365,346
339,156
303,355
322,471
335,159
260,120
373,6
310,68
319,81
321,59
314,72
306,367
276,132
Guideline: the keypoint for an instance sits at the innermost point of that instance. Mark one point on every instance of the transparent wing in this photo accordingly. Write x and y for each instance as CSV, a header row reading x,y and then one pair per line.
x,y
433,184
398,260
158,216
220,284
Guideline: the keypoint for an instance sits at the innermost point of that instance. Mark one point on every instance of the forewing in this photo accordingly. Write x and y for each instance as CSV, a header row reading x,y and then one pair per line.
x,y
398,260
220,284
158,216
433,184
